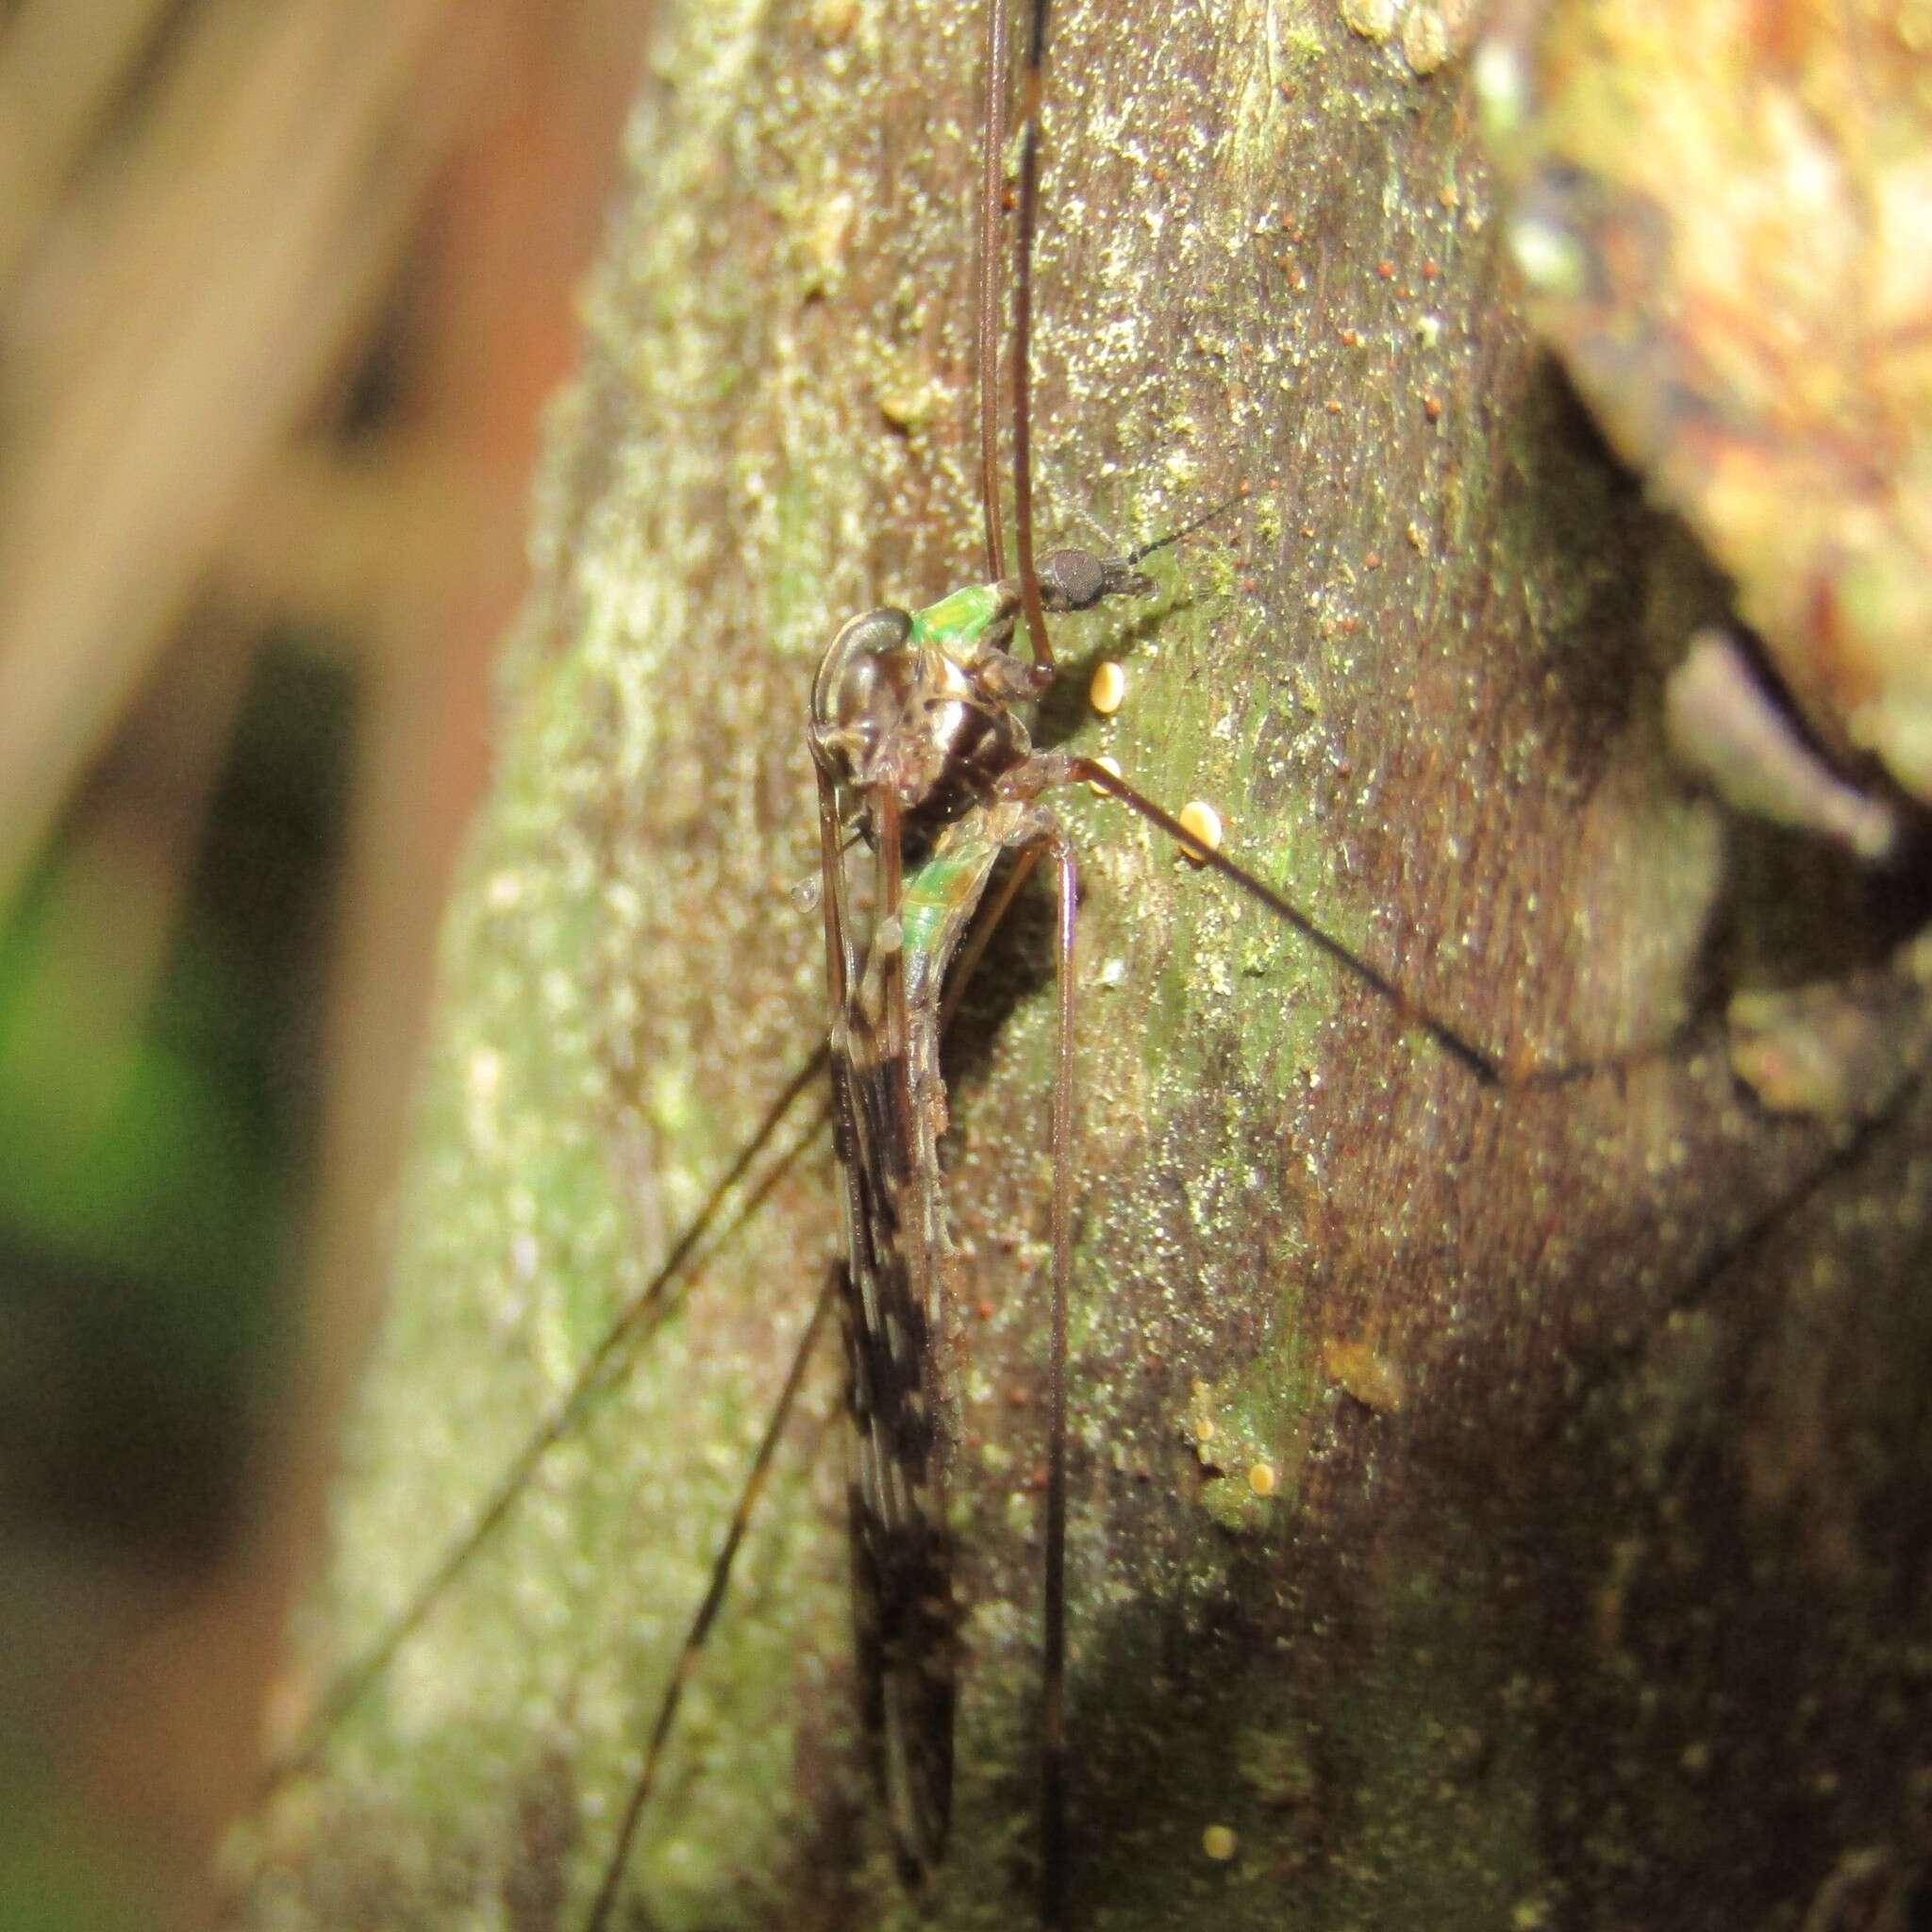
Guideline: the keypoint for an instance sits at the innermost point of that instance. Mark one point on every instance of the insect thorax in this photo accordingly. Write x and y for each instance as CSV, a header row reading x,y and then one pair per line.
x,y
919,704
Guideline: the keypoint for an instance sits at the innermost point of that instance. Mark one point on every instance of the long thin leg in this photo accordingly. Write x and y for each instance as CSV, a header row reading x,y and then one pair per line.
x,y
707,1610
1052,1765
650,1305
1484,1066
991,181
1032,90
1488,1069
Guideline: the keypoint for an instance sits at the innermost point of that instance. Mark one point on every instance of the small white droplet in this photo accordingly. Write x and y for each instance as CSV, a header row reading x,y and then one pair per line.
x,y
1502,88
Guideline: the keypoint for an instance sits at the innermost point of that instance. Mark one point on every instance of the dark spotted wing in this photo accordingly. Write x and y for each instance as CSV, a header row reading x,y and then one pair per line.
x,y
902,1556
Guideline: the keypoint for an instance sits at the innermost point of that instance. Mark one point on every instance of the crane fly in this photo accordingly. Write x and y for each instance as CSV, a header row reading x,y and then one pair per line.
x,y
887,996
922,760
567,1636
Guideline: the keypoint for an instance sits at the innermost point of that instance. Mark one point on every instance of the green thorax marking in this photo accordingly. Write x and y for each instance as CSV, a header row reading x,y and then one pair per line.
x,y
939,894
957,622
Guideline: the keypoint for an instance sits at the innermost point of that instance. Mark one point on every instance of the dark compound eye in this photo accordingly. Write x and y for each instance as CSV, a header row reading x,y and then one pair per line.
x,y
1074,579
1071,578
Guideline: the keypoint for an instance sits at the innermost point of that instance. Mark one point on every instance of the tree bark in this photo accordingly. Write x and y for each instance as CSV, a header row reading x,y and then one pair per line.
x,y
1591,1587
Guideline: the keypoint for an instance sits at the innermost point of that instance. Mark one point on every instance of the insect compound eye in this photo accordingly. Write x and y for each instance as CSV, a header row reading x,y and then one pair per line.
x,y
1072,579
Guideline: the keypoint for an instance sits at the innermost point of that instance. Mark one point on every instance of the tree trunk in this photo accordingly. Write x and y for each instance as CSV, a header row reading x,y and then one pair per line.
x,y
1591,1585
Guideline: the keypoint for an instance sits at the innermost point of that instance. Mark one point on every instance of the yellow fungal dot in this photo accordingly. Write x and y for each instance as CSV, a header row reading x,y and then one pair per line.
x,y
1261,1478
1200,821
1108,687
1204,1429
1376,1381
833,20
825,239
1220,1842
1106,764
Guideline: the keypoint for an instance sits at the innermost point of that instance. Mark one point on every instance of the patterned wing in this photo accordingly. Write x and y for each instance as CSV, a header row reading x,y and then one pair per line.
x,y
901,1552
902,1556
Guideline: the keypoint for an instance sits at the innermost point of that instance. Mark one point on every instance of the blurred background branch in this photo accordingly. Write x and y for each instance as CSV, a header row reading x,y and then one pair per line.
x,y
281,289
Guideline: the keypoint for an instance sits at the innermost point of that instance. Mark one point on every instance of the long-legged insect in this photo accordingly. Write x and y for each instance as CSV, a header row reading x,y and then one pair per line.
x,y
921,757
1190,1252
920,753
922,761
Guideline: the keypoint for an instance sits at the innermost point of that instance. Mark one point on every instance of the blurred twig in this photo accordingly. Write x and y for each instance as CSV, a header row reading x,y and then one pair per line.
x,y
60,69
205,211
254,221
112,907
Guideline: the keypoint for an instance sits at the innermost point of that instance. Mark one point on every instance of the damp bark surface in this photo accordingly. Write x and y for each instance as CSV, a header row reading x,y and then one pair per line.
x,y
1590,1585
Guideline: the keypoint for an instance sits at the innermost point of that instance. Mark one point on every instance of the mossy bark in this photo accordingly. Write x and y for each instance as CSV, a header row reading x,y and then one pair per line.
x,y
1591,1587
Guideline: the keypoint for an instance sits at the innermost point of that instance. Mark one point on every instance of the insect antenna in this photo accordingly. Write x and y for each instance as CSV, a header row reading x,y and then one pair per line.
x,y
645,1310
685,1660
1187,529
